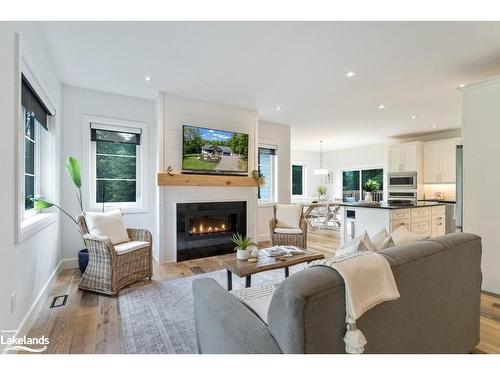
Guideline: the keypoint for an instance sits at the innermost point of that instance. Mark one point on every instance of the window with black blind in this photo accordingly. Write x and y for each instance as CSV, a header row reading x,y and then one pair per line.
x,y
34,121
116,166
267,167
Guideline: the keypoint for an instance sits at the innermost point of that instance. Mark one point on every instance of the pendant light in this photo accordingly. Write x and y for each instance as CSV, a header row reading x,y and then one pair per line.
x,y
320,170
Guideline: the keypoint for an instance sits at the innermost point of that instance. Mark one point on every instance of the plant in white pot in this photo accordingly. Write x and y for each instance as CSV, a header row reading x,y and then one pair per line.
x,y
244,246
370,186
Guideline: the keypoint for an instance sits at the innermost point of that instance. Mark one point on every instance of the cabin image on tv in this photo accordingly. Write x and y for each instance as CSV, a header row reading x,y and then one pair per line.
x,y
214,150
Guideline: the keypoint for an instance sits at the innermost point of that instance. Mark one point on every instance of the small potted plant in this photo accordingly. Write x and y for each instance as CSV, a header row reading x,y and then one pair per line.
x,y
370,186
321,191
244,246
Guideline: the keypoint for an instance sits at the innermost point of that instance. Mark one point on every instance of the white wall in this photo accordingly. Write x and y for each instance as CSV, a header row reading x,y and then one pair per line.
x,y
78,102
310,160
178,111
481,132
373,156
278,135
26,267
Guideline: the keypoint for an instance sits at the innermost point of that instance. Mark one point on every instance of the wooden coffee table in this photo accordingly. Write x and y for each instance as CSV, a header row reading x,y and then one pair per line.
x,y
243,268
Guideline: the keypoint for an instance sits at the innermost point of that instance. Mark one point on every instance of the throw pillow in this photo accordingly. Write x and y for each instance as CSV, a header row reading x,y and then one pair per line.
x,y
360,243
288,215
403,236
109,224
382,240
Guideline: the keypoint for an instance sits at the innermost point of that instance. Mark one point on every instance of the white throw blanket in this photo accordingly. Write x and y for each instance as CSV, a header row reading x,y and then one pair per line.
x,y
369,281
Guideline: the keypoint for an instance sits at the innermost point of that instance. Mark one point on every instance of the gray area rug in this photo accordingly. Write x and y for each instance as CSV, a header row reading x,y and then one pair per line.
x,y
158,318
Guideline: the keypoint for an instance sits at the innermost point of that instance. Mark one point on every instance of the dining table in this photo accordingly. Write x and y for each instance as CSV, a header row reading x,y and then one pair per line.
x,y
310,206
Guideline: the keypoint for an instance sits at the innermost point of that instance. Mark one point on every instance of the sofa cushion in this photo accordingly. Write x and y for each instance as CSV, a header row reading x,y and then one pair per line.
x,y
288,230
127,247
257,298
109,224
288,215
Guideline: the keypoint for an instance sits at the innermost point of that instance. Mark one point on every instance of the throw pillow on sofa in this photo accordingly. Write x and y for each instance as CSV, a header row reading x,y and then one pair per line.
x,y
360,243
382,240
403,236
109,224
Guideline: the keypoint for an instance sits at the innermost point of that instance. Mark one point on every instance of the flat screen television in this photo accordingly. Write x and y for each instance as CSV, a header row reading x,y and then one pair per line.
x,y
207,150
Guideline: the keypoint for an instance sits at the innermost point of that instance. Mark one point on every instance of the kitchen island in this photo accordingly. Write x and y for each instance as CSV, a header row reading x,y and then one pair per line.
x,y
425,218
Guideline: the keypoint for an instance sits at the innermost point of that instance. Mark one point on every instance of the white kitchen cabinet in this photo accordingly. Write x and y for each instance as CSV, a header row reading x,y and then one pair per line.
x,y
404,157
439,161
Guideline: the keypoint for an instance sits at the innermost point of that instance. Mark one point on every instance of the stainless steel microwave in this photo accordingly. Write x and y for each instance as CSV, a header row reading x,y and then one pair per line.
x,y
402,180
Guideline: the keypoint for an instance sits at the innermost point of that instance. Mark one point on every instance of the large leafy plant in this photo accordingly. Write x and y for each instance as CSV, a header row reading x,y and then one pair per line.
x,y
241,242
73,169
371,186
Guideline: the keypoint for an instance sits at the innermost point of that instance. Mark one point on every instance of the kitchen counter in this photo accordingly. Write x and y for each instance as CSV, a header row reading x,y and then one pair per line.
x,y
438,200
387,206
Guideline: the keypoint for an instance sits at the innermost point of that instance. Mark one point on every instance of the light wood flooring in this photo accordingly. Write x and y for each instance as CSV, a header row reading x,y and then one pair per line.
x,y
90,323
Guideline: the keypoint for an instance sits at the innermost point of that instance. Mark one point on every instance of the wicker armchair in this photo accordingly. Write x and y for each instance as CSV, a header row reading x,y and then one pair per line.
x,y
299,240
107,271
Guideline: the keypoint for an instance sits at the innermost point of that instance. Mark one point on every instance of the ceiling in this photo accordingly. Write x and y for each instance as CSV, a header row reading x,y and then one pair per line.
x,y
412,68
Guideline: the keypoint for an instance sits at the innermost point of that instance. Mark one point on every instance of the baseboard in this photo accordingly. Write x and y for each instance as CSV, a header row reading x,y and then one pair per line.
x,y
26,324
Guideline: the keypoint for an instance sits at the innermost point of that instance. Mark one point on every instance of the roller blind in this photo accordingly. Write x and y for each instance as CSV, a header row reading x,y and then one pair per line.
x,y
33,104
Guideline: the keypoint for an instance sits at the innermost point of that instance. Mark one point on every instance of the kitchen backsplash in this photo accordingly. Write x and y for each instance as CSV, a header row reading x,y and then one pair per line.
x,y
447,191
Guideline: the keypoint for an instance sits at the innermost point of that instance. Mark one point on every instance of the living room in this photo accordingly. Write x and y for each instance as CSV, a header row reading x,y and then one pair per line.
x,y
250,170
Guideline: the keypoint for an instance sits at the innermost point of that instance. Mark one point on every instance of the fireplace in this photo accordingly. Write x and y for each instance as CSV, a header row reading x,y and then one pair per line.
x,y
205,229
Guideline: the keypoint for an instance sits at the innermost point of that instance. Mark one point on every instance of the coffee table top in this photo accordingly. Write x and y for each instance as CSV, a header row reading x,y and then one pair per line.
x,y
244,268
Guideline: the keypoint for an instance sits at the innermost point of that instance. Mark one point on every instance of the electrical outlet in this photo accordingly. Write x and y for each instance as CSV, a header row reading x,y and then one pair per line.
x,y
13,303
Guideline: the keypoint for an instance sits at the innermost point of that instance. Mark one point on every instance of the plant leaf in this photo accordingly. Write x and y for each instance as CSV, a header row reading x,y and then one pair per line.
x,y
73,169
41,204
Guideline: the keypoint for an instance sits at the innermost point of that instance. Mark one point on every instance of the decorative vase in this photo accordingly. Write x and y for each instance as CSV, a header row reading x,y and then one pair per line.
x,y
83,260
242,254
369,196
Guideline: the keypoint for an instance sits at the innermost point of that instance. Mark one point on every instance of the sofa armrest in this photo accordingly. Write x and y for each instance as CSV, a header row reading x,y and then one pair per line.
x,y
224,325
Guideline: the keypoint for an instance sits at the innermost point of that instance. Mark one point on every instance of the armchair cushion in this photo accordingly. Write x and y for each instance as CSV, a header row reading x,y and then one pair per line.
x,y
127,247
288,230
288,215
109,224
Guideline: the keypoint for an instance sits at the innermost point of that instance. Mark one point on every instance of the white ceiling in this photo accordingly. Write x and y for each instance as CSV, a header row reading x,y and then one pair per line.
x,y
410,67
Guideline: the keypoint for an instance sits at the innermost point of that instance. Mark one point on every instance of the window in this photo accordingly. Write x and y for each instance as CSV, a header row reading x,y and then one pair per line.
x,y
117,157
267,166
298,180
353,181
34,122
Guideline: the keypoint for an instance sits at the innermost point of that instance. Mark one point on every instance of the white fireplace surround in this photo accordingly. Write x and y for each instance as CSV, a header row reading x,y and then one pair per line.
x,y
175,111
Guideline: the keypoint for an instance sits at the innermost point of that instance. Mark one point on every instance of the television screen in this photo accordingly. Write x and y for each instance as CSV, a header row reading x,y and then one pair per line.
x,y
214,151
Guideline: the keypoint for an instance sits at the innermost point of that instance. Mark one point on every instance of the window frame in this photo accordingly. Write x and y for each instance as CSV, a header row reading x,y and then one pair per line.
x,y
274,174
30,222
304,193
360,170
36,154
89,164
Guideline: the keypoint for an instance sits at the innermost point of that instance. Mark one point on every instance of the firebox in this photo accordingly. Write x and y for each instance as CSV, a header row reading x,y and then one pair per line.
x,y
205,229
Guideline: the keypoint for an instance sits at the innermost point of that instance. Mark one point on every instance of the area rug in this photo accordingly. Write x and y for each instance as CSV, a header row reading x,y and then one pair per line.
x,y
158,317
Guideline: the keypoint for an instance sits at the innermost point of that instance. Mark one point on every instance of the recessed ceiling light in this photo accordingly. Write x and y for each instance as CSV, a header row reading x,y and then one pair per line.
x,y
462,85
278,108
147,78
435,126
350,74
413,117
381,106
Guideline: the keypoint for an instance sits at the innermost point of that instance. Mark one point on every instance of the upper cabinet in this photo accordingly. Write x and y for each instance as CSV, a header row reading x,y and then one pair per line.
x,y
405,157
440,161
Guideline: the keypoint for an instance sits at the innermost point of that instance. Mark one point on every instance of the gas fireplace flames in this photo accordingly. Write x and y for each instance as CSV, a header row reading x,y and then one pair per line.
x,y
201,229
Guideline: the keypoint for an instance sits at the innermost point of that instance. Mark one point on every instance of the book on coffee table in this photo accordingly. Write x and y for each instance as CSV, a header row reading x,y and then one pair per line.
x,y
276,251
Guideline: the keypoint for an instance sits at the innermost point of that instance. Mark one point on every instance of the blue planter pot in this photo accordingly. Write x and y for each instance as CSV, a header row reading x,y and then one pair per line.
x,y
83,259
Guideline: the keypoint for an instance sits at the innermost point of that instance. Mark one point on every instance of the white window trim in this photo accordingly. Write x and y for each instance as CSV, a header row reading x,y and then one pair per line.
x,y
88,163
29,224
274,172
361,169
304,193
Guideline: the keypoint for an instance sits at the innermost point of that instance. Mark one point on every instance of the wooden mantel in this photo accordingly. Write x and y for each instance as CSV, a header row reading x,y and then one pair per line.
x,y
164,179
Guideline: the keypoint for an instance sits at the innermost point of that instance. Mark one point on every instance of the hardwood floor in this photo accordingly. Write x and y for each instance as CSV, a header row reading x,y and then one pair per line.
x,y
90,323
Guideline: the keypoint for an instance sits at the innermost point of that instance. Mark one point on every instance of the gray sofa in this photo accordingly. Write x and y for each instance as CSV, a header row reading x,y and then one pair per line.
x,y
439,281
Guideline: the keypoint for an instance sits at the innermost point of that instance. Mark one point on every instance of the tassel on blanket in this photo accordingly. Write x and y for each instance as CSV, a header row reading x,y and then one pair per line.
x,y
354,340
